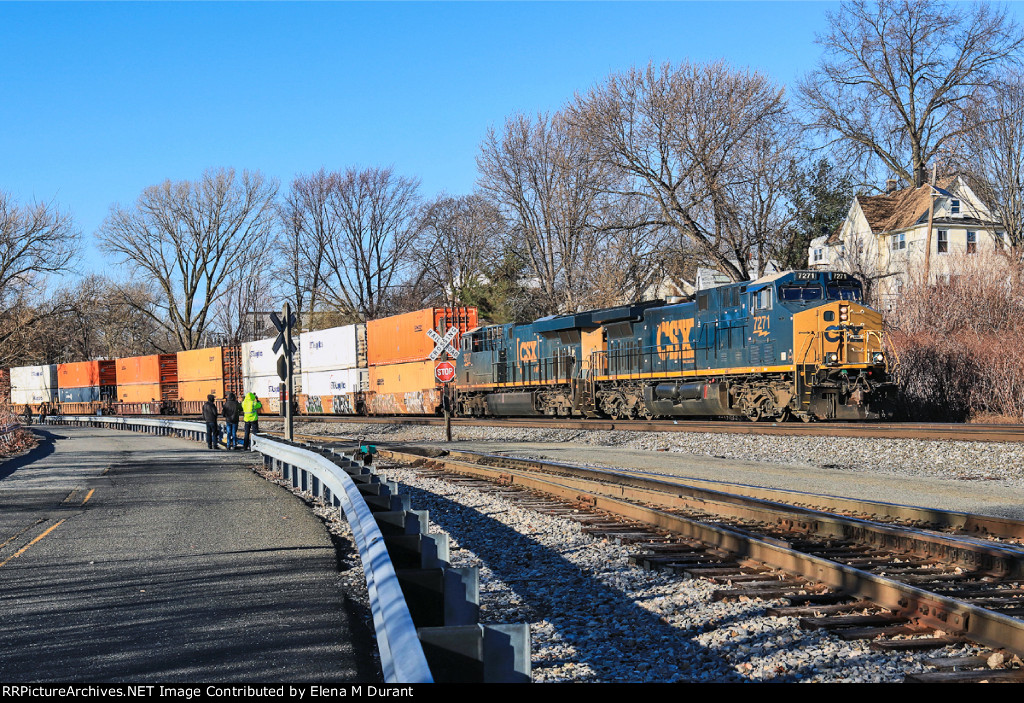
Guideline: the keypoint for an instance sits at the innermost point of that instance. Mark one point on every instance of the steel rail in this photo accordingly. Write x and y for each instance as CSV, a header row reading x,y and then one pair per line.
x,y
938,611
402,657
873,430
920,431
933,518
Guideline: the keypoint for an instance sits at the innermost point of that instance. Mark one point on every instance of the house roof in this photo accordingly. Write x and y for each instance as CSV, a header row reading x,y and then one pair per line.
x,y
899,209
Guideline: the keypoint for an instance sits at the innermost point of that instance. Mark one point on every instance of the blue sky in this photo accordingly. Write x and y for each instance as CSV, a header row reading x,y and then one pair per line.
x,y
99,101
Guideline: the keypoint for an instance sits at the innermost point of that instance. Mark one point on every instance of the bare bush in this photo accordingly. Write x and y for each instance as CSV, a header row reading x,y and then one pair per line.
x,y
959,344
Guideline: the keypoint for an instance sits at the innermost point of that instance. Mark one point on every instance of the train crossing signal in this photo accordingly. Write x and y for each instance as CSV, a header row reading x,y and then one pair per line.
x,y
444,343
286,364
281,327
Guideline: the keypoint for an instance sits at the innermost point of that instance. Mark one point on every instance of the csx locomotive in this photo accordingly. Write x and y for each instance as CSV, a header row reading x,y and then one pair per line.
x,y
795,344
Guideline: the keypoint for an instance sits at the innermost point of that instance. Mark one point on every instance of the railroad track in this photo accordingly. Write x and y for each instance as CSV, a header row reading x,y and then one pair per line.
x,y
910,430
927,431
904,578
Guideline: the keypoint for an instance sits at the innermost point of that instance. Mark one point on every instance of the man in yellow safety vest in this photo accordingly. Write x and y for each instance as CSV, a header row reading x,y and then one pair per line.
x,y
251,414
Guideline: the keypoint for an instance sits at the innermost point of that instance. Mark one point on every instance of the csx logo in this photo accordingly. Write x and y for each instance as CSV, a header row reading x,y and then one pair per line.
x,y
526,351
672,336
834,333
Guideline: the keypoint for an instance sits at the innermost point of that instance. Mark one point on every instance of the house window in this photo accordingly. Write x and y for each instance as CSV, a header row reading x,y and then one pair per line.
x,y
972,242
954,207
1000,239
818,255
899,241
943,241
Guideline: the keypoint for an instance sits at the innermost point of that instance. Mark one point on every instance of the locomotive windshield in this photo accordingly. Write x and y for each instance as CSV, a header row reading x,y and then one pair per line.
x,y
798,292
844,290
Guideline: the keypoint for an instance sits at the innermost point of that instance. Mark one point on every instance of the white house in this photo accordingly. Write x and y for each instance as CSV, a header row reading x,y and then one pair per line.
x,y
888,238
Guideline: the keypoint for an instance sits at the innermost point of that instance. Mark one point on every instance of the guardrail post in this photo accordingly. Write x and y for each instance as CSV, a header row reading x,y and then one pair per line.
x,y
474,653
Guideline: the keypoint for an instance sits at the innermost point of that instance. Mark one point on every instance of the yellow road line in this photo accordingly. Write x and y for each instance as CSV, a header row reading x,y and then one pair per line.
x,y
20,532
24,549
88,495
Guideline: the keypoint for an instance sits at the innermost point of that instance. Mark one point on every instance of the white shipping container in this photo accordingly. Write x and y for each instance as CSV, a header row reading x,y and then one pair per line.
x,y
23,397
335,348
337,382
259,359
33,378
262,386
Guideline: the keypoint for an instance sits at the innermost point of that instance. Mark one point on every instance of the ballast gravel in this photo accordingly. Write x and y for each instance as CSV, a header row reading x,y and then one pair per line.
x,y
594,617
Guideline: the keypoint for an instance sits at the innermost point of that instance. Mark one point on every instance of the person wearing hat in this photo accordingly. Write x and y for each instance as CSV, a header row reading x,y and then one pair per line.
x,y
232,410
210,416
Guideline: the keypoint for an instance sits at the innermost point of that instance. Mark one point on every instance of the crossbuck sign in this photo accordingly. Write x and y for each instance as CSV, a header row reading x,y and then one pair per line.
x,y
443,343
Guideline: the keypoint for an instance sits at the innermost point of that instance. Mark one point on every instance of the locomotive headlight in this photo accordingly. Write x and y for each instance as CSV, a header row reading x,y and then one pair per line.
x,y
844,313
832,358
878,357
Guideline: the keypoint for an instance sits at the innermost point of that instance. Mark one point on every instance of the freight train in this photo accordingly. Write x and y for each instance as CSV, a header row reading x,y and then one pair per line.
x,y
798,344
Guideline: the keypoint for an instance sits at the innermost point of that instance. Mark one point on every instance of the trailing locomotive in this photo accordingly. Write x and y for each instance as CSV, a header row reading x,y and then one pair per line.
x,y
799,343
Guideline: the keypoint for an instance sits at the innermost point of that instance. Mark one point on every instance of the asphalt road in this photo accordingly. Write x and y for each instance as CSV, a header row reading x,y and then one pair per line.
x,y
134,558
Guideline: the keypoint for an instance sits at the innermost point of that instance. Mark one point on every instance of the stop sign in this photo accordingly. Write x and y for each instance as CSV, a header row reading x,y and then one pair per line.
x,y
445,372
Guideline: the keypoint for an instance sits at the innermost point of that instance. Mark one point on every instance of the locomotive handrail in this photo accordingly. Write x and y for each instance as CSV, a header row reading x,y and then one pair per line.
x,y
401,653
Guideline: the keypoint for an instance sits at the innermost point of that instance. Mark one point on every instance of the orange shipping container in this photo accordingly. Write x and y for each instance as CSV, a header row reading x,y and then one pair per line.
x,y
86,374
399,389
198,390
403,338
201,365
139,369
138,393
402,378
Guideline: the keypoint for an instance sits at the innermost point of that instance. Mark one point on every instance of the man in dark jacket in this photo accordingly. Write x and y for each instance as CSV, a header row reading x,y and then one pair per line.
x,y
210,416
232,409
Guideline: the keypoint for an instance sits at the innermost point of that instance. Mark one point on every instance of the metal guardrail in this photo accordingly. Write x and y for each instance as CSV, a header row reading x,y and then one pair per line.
x,y
401,653
402,657
7,429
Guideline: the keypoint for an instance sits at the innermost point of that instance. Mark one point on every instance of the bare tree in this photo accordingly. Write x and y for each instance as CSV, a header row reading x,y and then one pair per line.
x,y
702,145
991,152
548,185
367,249
307,224
192,239
461,238
37,240
895,73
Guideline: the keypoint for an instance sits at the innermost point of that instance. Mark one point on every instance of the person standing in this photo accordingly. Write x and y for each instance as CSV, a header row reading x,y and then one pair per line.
x,y
232,410
210,416
251,414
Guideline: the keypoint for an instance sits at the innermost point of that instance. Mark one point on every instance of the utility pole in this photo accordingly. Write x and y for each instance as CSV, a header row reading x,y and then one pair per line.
x,y
928,245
